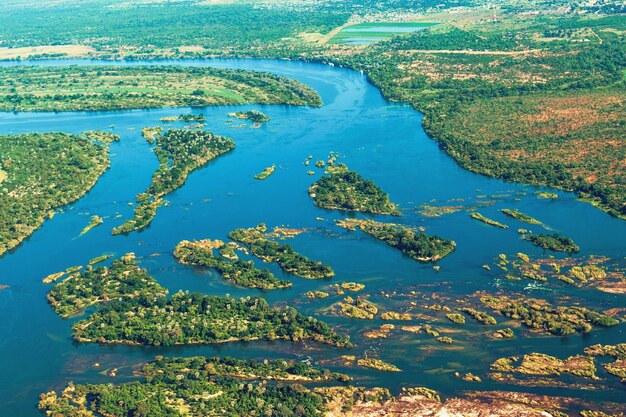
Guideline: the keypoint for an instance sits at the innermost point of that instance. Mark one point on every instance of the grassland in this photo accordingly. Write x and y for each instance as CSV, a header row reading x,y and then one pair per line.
x,y
110,88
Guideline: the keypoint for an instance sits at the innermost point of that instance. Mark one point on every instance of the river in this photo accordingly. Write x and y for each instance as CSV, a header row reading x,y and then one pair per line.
x,y
381,140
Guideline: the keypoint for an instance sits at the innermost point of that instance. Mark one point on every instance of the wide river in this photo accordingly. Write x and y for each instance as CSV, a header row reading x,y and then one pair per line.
x,y
382,141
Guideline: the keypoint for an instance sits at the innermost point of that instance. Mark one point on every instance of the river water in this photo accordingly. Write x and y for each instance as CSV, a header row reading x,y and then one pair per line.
x,y
383,141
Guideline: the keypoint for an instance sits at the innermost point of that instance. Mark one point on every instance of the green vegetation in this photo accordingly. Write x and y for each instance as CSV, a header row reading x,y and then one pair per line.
x,y
179,152
533,99
346,190
378,364
94,222
488,221
553,242
123,279
245,274
539,314
541,364
192,318
120,29
316,294
41,172
283,254
358,309
112,88
255,116
190,117
266,173
456,318
199,386
479,316
99,259
520,216
419,246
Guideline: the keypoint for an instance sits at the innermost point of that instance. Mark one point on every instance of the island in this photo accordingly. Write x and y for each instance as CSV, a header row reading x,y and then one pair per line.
x,y
122,279
283,254
180,152
343,189
553,242
541,315
487,220
41,172
200,386
241,273
193,318
517,215
94,222
266,173
418,246
255,116
76,88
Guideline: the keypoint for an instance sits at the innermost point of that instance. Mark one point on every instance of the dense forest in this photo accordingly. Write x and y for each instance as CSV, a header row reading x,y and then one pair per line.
x,y
192,318
71,88
41,172
343,189
239,272
123,279
283,254
198,386
417,245
179,151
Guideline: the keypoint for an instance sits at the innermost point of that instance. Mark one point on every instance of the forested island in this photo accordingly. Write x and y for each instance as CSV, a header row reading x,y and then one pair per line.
x,y
193,318
73,88
553,242
343,189
122,279
41,172
132,308
541,315
283,254
199,386
242,273
419,246
255,116
179,151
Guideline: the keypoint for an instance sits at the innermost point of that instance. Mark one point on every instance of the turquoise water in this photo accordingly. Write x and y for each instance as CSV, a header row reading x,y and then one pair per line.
x,y
385,28
382,141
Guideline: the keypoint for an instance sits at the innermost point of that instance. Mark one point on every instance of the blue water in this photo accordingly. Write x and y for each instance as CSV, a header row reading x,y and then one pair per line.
x,y
382,141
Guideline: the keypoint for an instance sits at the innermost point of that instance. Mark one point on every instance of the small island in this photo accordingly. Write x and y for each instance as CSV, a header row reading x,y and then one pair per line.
x,y
419,246
266,173
241,273
283,254
517,215
553,242
255,116
487,220
179,152
343,189
94,222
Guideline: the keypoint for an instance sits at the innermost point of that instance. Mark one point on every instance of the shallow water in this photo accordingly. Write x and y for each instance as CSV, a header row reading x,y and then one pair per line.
x,y
385,28
381,140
